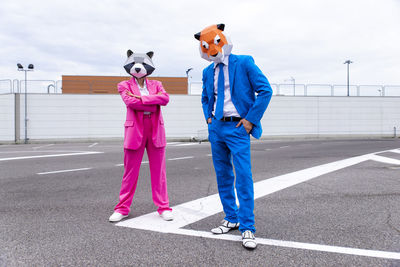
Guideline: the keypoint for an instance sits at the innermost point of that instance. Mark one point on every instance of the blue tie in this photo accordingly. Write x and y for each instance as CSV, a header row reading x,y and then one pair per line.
x,y
219,112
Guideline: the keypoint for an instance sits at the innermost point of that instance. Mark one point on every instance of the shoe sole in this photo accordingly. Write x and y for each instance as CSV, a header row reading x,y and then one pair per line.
x,y
249,248
235,228
118,220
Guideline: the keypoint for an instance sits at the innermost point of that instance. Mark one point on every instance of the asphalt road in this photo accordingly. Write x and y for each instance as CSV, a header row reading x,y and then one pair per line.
x,y
54,209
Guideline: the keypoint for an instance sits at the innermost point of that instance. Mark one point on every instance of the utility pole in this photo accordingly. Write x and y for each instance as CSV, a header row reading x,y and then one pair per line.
x,y
348,62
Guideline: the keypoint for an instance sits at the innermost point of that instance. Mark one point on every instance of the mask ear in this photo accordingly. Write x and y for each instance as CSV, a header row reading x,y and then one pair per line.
x,y
150,54
129,53
197,36
221,27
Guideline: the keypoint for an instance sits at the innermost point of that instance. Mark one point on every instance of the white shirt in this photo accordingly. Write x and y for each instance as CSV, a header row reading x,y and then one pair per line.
x,y
229,108
143,91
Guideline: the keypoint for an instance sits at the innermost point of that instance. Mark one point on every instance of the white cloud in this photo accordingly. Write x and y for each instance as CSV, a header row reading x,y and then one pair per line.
x,y
308,40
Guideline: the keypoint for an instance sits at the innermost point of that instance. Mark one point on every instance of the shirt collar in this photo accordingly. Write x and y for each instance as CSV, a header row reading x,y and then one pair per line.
x,y
225,61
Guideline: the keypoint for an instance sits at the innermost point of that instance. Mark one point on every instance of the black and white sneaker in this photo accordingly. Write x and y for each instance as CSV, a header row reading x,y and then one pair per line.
x,y
224,227
248,240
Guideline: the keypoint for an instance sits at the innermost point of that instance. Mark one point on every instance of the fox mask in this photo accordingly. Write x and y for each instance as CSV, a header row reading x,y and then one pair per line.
x,y
214,44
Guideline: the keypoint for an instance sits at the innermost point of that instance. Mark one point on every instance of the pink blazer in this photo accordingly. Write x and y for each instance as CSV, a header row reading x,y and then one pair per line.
x,y
135,108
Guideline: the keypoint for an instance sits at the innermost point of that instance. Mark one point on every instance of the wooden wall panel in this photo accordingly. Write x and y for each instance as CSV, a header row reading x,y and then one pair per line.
x,y
108,84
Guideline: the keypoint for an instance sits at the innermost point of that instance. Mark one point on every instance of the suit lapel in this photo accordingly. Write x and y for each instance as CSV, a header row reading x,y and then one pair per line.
x,y
150,87
210,79
134,87
232,69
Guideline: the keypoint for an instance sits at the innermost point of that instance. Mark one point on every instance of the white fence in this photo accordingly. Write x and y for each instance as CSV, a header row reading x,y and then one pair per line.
x,y
59,117
286,89
195,88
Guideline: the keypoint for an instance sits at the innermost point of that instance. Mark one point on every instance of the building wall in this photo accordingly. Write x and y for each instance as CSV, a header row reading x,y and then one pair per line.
x,y
102,116
7,117
108,84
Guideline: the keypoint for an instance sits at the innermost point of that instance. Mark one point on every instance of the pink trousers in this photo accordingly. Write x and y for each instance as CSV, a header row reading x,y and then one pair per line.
x,y
132,162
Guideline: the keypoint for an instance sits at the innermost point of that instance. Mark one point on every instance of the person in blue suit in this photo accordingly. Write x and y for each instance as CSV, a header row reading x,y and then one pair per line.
x,y
235,96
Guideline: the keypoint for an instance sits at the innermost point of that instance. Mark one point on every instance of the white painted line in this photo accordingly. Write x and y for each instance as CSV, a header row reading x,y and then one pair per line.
x,y
121,164
61,171
188,144
395,151
284,146
268,149
298,245
92,145
189,157
43,151
37,147
173,143
51,156
385,160
199,209
195,210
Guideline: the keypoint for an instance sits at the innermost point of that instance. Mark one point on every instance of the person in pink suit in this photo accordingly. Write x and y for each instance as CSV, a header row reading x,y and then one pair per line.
x,y
144,129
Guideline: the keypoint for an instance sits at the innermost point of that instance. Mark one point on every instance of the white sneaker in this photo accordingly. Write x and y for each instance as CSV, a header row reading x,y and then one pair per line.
x,y
116,217
167,215
248,240
224,227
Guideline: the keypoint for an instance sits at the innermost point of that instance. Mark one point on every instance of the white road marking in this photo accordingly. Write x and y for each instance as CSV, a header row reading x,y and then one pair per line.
x,y
188,144
42,151
173,143
284,146
51,156
37,147
385,160
395,151
189,157
61,171
92,145
298,245
195,210
268,149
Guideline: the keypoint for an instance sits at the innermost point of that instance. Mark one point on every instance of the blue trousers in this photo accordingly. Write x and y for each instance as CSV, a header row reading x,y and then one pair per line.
x,y
232,145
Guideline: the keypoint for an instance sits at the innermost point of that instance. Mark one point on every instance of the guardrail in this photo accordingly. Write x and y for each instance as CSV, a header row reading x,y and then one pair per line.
x,y
285,89
195,88
5,86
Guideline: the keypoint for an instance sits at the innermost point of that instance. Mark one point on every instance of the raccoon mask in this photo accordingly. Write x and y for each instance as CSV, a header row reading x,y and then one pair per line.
x,y
214,44
139,65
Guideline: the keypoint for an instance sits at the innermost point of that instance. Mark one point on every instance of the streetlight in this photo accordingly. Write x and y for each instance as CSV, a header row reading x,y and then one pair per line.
x,y
187,75
30,68
348,62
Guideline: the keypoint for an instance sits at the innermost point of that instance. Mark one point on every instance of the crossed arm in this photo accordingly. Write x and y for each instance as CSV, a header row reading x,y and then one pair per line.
x,y
143,103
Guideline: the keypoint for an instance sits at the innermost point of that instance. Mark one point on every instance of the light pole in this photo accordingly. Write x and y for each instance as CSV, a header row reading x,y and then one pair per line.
x,y
30,68
187,75
348,62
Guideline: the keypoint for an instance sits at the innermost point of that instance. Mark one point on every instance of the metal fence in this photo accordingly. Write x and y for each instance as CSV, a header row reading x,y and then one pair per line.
x,y
284,89
8,86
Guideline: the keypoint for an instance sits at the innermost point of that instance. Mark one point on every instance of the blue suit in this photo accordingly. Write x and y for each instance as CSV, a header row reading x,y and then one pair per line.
x,y
230,144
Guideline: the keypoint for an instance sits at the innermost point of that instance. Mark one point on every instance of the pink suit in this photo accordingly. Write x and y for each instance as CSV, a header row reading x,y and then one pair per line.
x,y
144,131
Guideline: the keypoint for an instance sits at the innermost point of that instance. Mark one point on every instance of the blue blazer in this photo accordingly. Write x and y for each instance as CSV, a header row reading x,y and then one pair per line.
x,y
245,80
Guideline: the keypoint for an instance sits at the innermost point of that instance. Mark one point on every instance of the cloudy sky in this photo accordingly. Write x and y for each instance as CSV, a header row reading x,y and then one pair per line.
x,y
308,40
